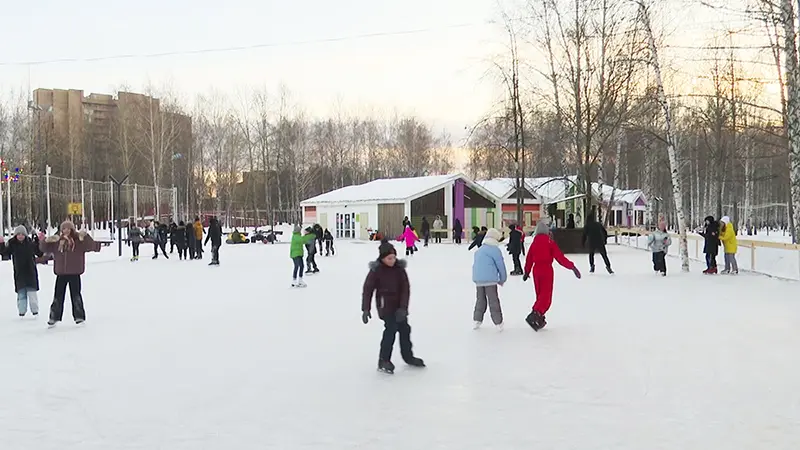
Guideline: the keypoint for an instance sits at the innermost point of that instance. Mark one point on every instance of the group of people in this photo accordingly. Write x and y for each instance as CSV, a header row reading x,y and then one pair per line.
x,y
187,238
715,234
304,242
69,248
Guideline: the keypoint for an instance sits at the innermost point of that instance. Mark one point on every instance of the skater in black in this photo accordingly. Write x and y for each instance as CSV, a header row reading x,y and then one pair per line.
x,y
515,248
388,281
160,239
311,250
215,236
710,233
319,233
328,238
135,238
172,243
191,244
597,236
425,228
178,236
458,230
23,253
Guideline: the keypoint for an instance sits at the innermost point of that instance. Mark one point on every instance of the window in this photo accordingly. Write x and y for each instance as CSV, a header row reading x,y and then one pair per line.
x,y
345,225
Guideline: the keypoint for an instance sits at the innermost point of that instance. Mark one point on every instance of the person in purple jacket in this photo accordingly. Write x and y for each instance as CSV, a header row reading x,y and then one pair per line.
x,y
69,262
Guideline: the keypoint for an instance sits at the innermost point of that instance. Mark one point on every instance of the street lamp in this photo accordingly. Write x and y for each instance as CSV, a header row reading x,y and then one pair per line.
x,y
32,106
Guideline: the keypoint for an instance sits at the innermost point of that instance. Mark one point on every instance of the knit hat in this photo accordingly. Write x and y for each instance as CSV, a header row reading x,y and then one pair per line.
x,y
67,224
493,233
20,230
297,228
542,228
726,220
386,249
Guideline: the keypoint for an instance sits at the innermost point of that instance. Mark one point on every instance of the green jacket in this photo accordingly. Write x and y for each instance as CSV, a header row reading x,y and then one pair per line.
x,y
298,241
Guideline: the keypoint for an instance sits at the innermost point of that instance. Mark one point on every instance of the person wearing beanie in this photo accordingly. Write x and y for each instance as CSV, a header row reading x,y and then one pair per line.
x,y
710,233
296,253
69,262
23,252
597,236
539,262
387,280
488,271
730,245
659,242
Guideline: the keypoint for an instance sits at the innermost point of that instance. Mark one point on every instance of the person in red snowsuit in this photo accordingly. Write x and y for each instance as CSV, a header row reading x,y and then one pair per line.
x,y
542,252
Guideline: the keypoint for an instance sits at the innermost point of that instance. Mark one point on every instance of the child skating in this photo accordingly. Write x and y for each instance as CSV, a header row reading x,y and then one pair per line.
x,y
23,252
729,245
410,238
311,250
296,253
329,248
69,262
542,252
658,242
488,271
388,281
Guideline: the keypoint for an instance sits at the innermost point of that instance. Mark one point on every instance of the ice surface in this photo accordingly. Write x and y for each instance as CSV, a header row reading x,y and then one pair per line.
x,y
178,356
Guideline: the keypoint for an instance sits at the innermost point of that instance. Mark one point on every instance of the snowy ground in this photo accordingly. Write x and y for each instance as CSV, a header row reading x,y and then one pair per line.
x,y
178,356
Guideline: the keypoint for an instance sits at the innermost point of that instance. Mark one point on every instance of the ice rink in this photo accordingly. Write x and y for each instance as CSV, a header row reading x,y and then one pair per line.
x,y
176,355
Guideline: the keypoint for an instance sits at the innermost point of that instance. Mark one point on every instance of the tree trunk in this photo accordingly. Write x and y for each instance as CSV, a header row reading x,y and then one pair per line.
x,y
792,109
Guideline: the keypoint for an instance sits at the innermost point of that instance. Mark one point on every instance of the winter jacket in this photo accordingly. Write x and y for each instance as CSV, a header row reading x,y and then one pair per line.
x,y
438,224
458,229
69,258
729,241
488,267
190,239
198,230
515,242
172,227
425,228
318,231
214,233
135,234
390,286
23,256
311,245
161,233
178,236
542,252
659,241
595,233
711,235
328,237
298,241
409,237
477,241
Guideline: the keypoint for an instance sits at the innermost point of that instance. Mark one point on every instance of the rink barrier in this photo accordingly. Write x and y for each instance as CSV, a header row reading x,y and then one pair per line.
x,y
631,237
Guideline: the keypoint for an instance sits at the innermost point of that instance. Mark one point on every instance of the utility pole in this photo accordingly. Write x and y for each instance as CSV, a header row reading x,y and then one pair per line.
x,y
118,185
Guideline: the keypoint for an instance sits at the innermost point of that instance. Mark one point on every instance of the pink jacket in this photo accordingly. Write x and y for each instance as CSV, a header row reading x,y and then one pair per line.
x,y
409,237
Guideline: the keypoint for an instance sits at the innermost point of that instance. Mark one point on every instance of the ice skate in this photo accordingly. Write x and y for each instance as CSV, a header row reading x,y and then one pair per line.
x,y
591,269
476,325
499,326
294,283
51,323
415,362
534,320
80,321
385,366
610,272
301,283
725,272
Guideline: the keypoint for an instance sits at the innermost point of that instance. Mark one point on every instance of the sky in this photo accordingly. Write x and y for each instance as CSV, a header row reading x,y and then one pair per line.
x,y
437,73
430,58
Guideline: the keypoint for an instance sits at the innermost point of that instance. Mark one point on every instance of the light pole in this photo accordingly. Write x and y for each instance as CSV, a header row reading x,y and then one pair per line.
x,y
174,190
36,107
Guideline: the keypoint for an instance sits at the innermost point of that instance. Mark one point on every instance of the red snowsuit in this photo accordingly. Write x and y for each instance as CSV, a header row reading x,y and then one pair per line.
x,y
540,258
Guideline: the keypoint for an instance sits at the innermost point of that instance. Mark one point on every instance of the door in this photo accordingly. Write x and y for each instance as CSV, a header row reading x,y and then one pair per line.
x,y
363,222
490,219
323,220
527,220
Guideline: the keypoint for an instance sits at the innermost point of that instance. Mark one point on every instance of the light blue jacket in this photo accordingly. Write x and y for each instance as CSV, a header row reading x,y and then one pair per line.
x,y
488,267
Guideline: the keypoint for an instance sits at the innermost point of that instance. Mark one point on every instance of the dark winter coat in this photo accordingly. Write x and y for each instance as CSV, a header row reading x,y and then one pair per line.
x,y
135,234
172,227
425,227
328,237
514,242
161,234
318,231
190,239
457,228
390,286
711,235
595,233
178,236
214,233
23,255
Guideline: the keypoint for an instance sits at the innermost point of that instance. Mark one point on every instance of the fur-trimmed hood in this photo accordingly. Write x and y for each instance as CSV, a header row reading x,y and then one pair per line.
x,y
400,264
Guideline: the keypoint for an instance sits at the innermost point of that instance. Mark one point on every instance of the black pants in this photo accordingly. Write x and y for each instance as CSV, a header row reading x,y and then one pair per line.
x,y
711,260
182,251
660,262
135,246
198,249
457,238
426,237
602,250
311,263
57,308
517,263
437,238
172,247
409,251
162,246
190,247
329,250
321,244
215,252
391,328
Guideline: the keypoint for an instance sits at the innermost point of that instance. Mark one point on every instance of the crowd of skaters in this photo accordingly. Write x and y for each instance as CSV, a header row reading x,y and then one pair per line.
x,y
187,238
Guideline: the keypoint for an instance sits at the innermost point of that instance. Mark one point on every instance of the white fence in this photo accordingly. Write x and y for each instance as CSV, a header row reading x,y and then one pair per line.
x,y
775,259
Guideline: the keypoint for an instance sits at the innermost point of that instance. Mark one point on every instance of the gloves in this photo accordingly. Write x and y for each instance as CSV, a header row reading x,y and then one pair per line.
x,y
401,315
525,277
365,316
577,273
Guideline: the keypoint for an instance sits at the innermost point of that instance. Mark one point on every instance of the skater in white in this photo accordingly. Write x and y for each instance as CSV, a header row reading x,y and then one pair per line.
x,y
488,271
23,252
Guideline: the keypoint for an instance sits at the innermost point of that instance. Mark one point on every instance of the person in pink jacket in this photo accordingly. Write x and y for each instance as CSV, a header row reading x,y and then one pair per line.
x,y
410,239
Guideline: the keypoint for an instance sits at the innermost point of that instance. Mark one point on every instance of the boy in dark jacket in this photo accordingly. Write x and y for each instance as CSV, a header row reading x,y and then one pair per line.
x,y
387,276
710,233
597,236
160,239
515,248
179,239
328,238
23,252
191,241
215,236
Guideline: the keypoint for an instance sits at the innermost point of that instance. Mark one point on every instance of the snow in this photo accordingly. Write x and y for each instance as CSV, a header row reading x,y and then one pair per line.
x,y
503,187
382,191
178,355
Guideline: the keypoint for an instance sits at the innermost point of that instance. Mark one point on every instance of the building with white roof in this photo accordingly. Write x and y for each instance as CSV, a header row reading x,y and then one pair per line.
x,y
354,211
505,190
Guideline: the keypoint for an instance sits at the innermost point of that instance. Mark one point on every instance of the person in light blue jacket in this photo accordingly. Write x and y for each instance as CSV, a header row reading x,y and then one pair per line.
x,y
488,271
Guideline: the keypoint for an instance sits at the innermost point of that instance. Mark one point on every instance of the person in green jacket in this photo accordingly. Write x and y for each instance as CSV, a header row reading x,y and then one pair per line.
x,y
296,253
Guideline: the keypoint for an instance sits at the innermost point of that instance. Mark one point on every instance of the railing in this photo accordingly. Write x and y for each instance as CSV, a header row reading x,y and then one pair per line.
x,y
776,259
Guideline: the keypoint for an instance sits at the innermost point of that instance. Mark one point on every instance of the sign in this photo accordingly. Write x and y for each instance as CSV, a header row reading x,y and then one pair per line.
x,y
75,209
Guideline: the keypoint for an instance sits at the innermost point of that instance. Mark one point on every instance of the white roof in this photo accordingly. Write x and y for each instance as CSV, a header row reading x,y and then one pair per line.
x,y
387,190
620,195
503,187
552,189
